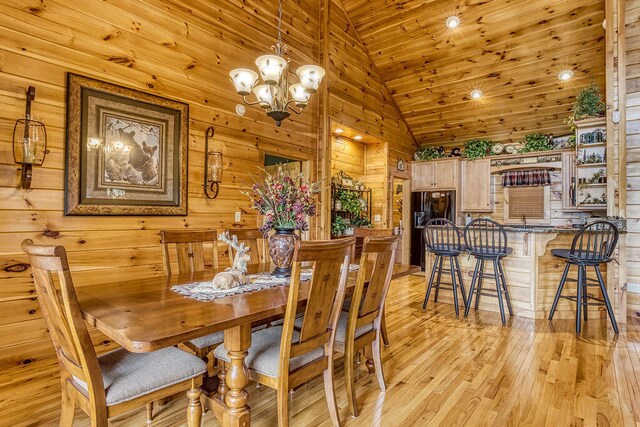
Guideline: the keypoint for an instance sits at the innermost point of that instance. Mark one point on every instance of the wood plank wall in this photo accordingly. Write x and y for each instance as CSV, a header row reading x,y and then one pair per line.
x,y
633,150
174,48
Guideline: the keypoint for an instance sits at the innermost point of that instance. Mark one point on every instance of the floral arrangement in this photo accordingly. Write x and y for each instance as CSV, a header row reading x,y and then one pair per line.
x,y
284,199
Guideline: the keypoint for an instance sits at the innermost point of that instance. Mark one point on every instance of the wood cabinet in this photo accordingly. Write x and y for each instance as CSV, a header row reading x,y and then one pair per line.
x,y
475,186
435,175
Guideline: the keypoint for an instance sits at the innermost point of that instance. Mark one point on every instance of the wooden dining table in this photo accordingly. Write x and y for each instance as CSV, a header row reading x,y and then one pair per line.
x,y
145,315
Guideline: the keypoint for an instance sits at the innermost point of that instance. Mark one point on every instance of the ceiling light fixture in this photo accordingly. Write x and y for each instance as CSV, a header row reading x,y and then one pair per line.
x,y
453,22
476,94
274,94
565,75
339,130
357,137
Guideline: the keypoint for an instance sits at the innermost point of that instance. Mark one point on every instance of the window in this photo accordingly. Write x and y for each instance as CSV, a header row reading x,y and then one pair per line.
x,y
531,203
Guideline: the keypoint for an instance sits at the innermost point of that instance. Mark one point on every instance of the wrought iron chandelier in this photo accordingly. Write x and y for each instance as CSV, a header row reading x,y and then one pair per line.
x,y
273,95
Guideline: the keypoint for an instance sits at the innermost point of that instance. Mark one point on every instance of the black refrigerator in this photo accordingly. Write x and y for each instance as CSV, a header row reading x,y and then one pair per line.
x,y
425,206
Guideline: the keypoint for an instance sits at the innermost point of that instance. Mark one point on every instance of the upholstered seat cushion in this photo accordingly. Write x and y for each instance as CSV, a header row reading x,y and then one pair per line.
x,y
208,340
127,375
342,327
264,354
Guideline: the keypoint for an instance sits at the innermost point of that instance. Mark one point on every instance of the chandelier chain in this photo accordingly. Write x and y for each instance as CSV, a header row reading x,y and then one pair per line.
x,y
280,22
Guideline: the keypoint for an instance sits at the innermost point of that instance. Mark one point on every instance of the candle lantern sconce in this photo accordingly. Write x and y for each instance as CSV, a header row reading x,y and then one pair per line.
x,y
212,167
29,142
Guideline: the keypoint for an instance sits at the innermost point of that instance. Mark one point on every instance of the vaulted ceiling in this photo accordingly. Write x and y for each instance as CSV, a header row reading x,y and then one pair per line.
x,y
512,50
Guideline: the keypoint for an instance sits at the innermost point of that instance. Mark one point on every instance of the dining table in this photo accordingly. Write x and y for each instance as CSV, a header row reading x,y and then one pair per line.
x,y
144,315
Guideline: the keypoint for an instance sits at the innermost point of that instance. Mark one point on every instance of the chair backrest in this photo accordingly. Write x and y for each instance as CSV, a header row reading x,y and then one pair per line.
x,y
330,261
190,249
372,285
254,239
74,348
595,242
483,236
442,235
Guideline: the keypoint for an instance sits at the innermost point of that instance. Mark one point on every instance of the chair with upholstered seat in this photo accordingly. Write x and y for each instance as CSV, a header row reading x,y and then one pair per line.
x,y
282,357
254,239
118,381
190,246
592,246
361,328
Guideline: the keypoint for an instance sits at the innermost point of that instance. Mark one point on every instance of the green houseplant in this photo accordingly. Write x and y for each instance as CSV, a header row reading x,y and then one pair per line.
x,y
338,226
588,104
350,201
477,148
428,153
536,142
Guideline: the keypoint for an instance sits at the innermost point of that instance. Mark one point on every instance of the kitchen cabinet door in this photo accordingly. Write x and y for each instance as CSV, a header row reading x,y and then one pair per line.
x,y
475,186
445,174
422,178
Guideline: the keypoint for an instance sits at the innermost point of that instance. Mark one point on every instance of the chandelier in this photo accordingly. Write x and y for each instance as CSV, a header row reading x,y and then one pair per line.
x,y
273,95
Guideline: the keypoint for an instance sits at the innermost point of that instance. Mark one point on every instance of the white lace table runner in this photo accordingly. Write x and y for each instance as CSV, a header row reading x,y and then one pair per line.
x,y
204,291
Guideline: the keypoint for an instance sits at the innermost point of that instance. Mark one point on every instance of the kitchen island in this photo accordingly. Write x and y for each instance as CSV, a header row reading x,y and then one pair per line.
x,y
532,274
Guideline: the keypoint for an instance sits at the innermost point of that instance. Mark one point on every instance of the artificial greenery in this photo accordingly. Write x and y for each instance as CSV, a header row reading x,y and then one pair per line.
x,y
361,221
350,201
428,153
588,104
536,142
338,226
477,148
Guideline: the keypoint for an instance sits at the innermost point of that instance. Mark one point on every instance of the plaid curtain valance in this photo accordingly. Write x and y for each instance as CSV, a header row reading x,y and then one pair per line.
x,y
528,178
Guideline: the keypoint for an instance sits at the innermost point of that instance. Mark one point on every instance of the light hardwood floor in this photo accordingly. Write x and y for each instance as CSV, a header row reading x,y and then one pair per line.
x,y
446,371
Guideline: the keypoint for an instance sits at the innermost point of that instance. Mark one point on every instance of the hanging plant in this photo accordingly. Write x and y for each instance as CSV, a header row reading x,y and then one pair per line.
x,y
536,142
477,148
588,104
428,153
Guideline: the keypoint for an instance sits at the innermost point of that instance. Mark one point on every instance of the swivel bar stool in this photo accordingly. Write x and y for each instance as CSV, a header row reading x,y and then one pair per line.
x,y
442,239
593,245
486,240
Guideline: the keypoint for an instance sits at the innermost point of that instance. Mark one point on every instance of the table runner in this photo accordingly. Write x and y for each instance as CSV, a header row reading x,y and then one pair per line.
x,y
204,290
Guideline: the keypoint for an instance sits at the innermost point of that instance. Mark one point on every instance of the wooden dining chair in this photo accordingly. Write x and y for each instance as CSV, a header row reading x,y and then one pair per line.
x,y
284,357
190,253
361,328
118,381
255,240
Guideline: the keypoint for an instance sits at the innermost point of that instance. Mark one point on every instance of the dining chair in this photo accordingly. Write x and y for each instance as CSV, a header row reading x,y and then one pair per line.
x,y
361,327
255,240
190,254
113,383
592,246
282,357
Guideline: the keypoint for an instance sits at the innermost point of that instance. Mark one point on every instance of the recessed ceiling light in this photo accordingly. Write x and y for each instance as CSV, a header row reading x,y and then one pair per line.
x,y
357,137
565,75
339,130
453,22
476,94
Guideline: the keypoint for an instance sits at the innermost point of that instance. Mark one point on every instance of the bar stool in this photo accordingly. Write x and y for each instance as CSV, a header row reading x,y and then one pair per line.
x,y
486,240
442,239
593,245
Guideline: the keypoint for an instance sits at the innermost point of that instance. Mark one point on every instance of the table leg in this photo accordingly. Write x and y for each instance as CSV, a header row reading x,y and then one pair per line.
x,y
194,407
237,341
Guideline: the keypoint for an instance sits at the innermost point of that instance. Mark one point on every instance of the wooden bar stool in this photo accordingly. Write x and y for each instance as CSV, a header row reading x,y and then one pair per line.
x,y
442,239
593,245
486,240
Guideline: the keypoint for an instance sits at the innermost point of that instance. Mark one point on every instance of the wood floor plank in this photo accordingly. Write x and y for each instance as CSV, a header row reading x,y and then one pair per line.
x,y
448,371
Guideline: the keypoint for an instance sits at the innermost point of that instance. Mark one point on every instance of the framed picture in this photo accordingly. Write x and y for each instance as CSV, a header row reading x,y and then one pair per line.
x,y
126,151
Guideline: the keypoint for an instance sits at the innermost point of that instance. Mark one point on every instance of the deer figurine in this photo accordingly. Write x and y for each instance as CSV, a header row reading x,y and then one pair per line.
x,y
236,274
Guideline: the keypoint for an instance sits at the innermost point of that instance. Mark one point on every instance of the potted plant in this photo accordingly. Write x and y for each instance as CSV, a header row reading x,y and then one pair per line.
x,y
588,104
428,153
338,227
349,201
285,200
477,148
536,142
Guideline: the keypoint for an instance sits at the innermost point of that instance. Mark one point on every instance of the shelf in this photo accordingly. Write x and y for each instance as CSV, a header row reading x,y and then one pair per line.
x,y
339,187
595,184
592,165
594,145
589,207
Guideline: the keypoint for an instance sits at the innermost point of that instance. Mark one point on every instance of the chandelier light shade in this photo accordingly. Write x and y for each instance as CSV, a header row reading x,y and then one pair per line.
x,y
275,95
244,80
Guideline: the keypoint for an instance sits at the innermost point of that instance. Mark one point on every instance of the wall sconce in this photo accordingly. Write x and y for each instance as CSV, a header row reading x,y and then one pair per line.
x,y
212,167
29,142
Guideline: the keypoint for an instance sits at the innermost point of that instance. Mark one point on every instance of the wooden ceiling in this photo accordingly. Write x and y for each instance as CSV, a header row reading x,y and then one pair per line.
x,y
512,50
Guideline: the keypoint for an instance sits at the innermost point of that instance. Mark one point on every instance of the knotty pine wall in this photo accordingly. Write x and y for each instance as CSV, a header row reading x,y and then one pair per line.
x,y
632,31
179,49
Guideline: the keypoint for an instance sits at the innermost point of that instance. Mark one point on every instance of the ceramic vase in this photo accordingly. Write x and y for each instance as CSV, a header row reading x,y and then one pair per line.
x,y
281,247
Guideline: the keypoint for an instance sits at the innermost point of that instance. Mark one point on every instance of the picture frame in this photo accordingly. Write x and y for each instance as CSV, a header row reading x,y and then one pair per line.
x,y
126,151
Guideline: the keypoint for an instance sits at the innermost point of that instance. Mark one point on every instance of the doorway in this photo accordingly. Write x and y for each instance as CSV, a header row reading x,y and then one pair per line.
x,y
400,210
